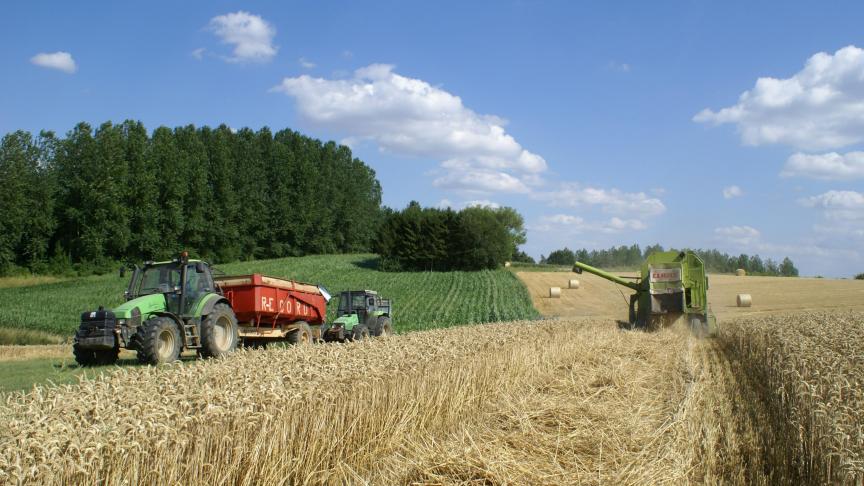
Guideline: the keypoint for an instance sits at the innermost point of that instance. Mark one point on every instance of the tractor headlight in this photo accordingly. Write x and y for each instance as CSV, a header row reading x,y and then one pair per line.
x,y
121,322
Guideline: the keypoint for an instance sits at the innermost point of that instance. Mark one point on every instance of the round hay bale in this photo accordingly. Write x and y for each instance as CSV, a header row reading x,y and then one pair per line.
x,y
507,264
555,292
741,272
573,284
744,300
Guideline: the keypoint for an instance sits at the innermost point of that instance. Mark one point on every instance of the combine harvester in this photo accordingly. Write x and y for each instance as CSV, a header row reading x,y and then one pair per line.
x,y
672,285
178,305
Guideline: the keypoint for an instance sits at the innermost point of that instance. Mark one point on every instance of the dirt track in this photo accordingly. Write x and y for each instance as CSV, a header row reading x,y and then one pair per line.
x,y
600,297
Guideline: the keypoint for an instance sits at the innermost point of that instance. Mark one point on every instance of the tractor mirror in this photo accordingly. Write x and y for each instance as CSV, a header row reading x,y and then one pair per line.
x,y
199,267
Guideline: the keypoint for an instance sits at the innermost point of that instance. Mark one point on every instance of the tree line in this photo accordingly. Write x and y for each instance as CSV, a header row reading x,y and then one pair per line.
x,y
632,256
94,197
433,239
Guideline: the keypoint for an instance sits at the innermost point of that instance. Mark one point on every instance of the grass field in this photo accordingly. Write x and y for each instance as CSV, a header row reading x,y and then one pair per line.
x,y
421,300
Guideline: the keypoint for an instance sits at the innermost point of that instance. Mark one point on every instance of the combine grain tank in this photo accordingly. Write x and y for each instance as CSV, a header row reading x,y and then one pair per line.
x,y
270,308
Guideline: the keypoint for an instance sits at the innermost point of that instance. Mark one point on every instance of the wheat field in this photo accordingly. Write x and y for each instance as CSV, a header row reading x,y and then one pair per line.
x,y
573,401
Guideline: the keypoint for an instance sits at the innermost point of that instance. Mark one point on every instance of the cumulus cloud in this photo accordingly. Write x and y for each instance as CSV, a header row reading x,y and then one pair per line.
x,y
60,60
410,117
820,107
740,235
251,36
612,201
570,224
305,63
838,205
732,191
830,166
481,203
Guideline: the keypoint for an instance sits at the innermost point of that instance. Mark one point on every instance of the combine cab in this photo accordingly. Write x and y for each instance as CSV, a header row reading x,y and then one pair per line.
x,y
361,313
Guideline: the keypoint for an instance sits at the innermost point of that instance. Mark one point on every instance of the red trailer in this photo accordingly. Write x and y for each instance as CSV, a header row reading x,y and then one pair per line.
x,y
273,309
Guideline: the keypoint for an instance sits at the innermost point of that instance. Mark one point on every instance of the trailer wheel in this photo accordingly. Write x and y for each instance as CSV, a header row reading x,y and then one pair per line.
x,y
383,328
219,332
159,341
359,333
302,336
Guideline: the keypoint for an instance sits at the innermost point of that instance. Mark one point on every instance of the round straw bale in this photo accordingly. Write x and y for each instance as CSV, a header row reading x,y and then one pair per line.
x,y
740,272
573,284
744,300
555,292
507,264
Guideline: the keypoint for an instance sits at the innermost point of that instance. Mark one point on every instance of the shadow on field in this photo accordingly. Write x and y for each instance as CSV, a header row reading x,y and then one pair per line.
x,y
367,263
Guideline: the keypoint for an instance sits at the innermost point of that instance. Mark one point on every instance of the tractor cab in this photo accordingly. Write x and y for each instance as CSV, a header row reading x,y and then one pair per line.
x,y
359,312
182,282
360,302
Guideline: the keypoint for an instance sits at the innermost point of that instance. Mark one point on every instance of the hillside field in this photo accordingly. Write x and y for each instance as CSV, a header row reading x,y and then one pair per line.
x,y
421,300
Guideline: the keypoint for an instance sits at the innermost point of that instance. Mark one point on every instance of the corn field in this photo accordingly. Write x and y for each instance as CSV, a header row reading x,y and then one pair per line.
x,y
422,300
774,400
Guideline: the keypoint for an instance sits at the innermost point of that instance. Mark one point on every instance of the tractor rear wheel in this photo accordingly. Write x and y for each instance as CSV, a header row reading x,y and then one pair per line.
x,y
159,341
302,336
218,332
383,328
359,333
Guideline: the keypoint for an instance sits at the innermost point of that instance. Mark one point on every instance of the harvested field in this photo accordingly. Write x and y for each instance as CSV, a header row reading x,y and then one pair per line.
x,y
600,297
548,402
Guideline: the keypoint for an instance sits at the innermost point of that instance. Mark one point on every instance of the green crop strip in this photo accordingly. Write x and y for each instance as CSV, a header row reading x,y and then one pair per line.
x,y
422,300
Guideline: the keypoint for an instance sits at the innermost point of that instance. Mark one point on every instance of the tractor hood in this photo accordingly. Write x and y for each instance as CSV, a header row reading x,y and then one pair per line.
x,y
347,321
147,304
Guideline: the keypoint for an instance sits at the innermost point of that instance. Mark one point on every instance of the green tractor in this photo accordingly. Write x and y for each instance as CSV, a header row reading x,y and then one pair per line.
x,y
170,306
361,314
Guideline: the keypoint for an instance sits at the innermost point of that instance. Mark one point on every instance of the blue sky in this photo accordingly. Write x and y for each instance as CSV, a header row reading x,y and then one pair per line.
x,y
603,123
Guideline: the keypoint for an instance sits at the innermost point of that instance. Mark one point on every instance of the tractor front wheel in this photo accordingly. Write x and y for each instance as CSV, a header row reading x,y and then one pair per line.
x,y
359,333
95,357
219,332
159,341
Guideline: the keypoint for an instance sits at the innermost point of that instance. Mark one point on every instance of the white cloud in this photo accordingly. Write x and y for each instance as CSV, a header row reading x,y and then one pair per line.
x,y
251,36
612,201
732,191
830,166
740,235
570,224
60,60
820,107
305,63
838,205
199,53
621,67
482,203
480,182
410,117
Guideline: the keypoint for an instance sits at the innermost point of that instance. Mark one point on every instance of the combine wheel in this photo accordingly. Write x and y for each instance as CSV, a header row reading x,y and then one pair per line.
x,y
359,333
302,336
218,332
159,341
383,327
